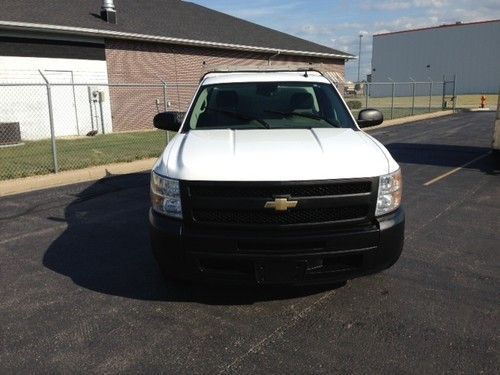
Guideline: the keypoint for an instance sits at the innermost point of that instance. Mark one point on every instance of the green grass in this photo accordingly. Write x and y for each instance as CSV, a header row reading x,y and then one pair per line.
x,y
35,157
471,101
463,101
403,104
399,112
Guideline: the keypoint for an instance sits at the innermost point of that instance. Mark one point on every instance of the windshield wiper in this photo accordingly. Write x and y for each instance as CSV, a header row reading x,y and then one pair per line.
x,y
306,115
240,116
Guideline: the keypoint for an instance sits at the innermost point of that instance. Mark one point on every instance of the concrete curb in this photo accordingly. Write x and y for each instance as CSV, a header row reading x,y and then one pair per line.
x,y
487,109
23,185
409,119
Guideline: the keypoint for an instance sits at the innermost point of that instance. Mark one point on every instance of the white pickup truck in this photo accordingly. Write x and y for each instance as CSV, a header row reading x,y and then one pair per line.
x,y
270,180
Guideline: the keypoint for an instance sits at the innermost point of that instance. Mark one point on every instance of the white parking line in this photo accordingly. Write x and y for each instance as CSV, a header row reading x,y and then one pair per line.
x,y
444,175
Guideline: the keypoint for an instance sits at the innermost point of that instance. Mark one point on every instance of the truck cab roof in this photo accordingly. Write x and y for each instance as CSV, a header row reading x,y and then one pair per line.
x,y
263,76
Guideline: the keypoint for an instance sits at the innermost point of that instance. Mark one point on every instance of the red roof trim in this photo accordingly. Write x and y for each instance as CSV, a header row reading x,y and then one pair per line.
x,y
437,27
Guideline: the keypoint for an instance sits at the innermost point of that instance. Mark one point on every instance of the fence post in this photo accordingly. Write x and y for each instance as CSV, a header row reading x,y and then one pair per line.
x,y
51,121
454,92
367,93
392,99
430,96
89,92
165,107
75,102
164,96
443,105
413,99
102,114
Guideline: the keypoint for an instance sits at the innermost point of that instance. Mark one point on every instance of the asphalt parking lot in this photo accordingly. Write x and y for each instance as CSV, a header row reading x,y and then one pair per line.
x,y
80,291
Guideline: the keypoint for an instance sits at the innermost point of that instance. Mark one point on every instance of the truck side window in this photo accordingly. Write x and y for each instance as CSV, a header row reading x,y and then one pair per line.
x,y
199,108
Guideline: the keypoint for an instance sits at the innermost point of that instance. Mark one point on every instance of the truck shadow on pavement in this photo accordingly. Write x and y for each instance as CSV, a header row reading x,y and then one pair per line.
x,y
445,155
105,248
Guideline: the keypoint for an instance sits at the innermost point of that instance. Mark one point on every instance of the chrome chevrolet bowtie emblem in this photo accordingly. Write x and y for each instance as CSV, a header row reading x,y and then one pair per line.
x,y
281,204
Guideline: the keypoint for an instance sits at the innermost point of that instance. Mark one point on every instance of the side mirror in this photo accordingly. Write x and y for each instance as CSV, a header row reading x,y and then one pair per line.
x,y
168,121
370,117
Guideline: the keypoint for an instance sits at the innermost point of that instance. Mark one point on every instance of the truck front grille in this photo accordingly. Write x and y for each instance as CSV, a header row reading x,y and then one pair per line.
x,y
242,203
268,217
259,191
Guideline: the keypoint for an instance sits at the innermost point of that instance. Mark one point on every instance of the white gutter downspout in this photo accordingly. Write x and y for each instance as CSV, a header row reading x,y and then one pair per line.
x,y
272,57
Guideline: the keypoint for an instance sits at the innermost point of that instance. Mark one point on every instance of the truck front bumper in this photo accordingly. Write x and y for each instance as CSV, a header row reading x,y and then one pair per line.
x,y
308,256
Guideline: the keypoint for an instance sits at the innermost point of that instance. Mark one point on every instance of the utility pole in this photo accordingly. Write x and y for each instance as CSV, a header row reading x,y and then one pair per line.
x,y
359,58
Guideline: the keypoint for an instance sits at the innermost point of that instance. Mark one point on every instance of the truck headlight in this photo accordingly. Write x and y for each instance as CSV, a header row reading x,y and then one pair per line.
x,y
390,188
165,196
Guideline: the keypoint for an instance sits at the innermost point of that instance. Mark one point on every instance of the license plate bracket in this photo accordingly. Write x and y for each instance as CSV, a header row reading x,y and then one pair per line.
x,y
279,272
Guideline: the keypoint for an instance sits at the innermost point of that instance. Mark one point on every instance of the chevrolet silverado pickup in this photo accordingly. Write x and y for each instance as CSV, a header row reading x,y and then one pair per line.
x,y
270,180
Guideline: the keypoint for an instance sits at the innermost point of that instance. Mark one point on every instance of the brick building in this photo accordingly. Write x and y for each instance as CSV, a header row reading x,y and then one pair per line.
x,y
148,42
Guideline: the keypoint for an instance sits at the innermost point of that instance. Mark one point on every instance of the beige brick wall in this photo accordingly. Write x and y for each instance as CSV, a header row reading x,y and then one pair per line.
x,y
152,63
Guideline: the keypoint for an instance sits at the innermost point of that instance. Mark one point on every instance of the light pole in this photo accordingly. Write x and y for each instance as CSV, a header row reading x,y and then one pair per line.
x,y
359,58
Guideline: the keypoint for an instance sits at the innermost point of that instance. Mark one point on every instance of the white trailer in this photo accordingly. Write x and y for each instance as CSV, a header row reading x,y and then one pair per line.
x,y
496,131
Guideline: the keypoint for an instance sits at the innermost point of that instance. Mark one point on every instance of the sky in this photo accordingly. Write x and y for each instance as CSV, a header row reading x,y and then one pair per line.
x,y
338,23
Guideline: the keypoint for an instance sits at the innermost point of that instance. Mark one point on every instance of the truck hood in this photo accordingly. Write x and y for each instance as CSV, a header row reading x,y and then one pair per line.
x,y
274,155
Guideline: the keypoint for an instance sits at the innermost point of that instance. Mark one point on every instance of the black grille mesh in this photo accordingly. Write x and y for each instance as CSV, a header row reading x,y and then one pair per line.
x,y
295,216
307,190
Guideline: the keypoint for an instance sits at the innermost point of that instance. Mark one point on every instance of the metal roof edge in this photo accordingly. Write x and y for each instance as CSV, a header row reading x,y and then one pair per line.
x,y
443,26
13,25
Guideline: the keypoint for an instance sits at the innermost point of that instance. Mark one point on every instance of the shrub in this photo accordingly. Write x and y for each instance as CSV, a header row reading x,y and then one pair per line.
x,y
354,104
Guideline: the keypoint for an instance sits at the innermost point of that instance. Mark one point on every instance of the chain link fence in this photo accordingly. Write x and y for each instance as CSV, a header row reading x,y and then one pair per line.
x,y
401,99
57,126
53,127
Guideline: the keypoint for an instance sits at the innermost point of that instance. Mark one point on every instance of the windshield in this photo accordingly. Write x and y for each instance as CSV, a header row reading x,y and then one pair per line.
x,y
270,105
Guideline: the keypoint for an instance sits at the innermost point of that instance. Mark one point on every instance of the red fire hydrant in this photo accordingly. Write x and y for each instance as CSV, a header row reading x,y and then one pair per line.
x,y
483,101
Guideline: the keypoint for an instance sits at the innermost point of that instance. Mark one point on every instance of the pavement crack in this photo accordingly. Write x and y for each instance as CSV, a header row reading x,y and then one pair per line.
x,y
449,207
